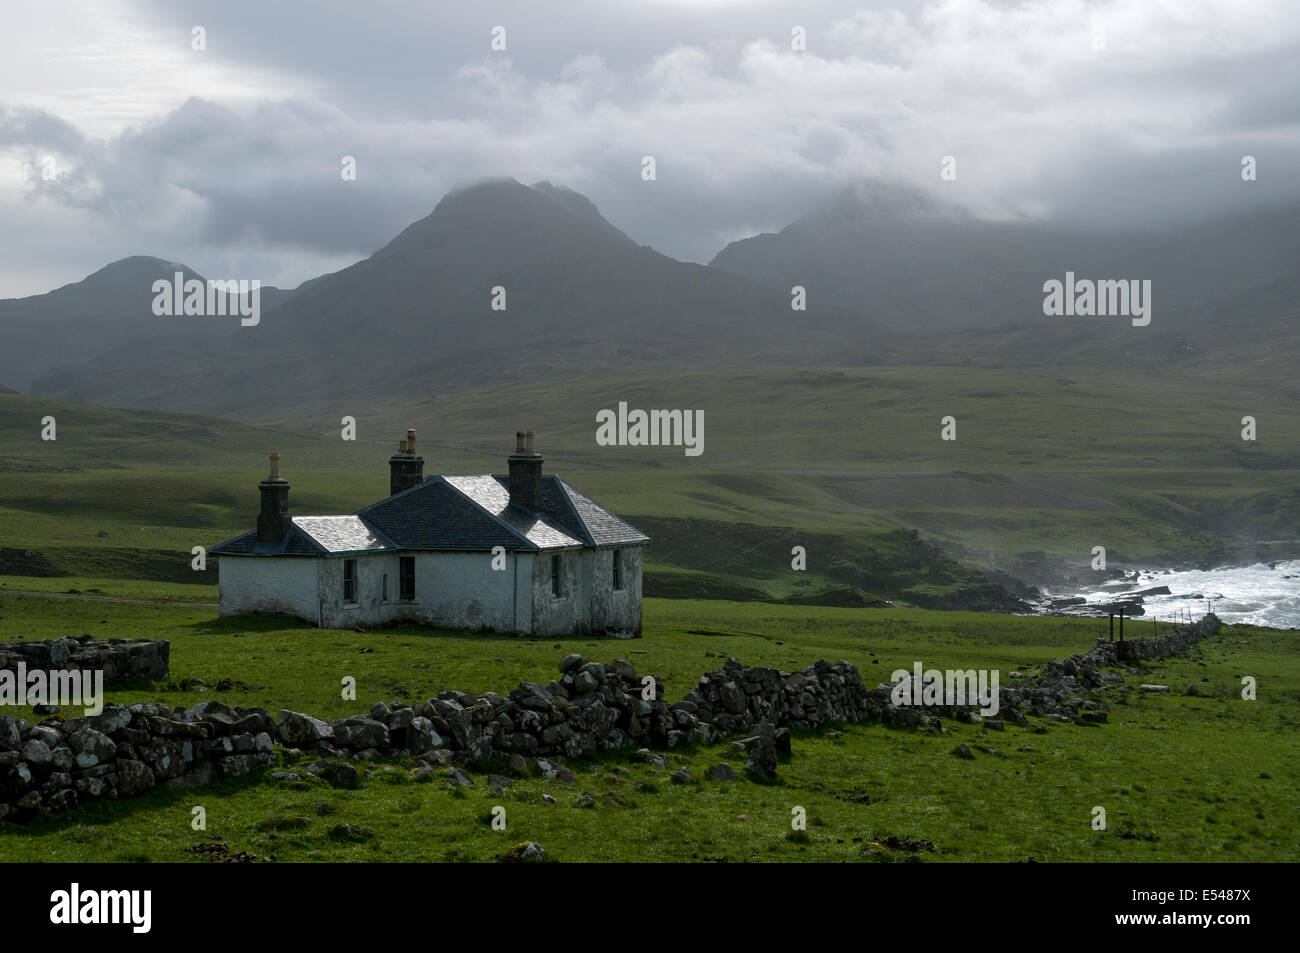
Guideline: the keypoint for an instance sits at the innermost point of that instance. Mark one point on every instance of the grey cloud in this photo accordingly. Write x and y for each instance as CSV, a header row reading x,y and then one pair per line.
x,y
747,134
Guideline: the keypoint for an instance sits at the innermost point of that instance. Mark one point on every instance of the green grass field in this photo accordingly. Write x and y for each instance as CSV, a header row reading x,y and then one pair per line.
x,y
1195,778
846,463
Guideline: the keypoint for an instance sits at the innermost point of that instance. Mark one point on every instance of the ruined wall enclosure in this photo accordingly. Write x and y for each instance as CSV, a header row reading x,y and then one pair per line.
x,y
121,660
591,707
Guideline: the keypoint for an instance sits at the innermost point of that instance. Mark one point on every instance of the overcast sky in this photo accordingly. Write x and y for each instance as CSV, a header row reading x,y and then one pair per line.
x,y
229,158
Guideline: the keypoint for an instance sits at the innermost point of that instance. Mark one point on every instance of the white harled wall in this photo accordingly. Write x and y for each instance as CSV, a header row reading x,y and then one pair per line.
x,y
455,590
452,590
281,584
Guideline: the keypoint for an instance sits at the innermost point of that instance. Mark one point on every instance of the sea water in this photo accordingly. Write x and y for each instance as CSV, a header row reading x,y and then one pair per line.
x,y
1252,595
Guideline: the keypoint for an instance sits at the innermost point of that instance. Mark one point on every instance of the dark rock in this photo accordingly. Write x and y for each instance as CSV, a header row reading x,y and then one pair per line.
x,y
91,747
342,775
134,777
459,778
723,772
36,753
359,732
300,731
529,852
350,833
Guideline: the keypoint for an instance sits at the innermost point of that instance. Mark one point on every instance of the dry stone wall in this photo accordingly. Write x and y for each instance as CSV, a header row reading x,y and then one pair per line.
x,y
591,707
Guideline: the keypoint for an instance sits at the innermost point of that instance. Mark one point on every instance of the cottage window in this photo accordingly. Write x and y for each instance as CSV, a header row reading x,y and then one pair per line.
x,y
385,587
618,569
406,578
557,582
350,581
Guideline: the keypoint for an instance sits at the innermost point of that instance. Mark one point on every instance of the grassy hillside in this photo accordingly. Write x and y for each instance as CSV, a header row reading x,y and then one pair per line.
x,y
1199,778
1044,467
1150,465
884,418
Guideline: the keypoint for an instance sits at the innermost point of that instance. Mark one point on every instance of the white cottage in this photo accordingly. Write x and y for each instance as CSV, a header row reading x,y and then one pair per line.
x,y
521,552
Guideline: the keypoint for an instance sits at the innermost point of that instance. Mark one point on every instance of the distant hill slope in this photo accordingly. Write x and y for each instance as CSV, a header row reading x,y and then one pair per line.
x,y
89,436
110,309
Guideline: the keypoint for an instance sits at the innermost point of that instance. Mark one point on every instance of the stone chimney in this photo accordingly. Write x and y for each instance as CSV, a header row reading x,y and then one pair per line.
x,y
273,521
405,469
525,472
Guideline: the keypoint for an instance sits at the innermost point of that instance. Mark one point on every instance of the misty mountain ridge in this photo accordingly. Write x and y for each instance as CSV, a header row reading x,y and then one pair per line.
x,y
885,267
925,267
416,316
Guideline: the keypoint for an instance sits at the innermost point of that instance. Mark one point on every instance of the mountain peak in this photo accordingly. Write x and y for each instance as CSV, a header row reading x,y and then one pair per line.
x,y
504,210
485,186
135,270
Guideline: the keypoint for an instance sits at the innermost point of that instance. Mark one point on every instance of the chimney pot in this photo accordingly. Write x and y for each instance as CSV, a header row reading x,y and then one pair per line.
x,y
274,521
405,469
525,472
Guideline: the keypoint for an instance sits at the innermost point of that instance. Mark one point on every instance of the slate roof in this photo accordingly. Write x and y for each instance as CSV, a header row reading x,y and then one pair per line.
x,y
493,497
295,543
437,514
457,513
603,527
579,515
343,534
